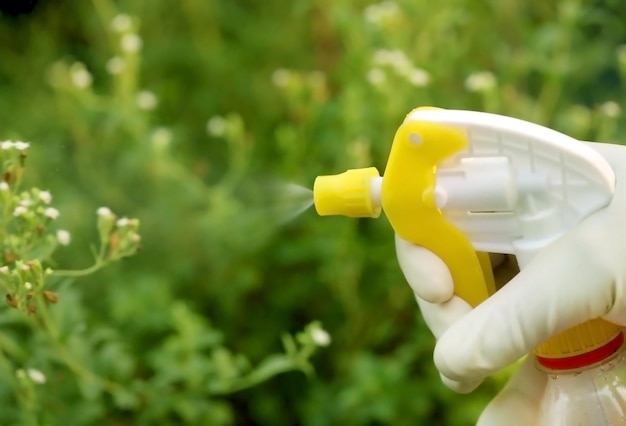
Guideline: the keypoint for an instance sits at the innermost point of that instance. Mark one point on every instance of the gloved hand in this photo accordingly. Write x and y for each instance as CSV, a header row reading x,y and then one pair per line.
x,y
580,276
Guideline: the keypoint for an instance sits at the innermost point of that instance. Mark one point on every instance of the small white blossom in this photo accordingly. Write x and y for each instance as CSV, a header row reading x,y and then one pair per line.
x,y
376,13
610,109
51,212
4,186
320,337
121,23
115,65
135,238
28,286
26,202
81,78
131,43
123,222
36,376
104,212
21,145
372,13
399,60
418,77
45,196
146,100
382,57
376,76
19,211
281,77
4,270
216,126
480,81
161,138
24,267
64,237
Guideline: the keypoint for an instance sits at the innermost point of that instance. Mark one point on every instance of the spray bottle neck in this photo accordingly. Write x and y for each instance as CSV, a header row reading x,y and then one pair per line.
x,y
581,347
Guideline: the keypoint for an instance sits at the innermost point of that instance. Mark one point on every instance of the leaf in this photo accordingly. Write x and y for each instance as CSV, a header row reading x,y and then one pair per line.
x,y
125,399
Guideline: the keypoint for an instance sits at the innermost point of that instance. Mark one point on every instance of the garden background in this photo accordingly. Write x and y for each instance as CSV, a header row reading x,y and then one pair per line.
x,y
184,115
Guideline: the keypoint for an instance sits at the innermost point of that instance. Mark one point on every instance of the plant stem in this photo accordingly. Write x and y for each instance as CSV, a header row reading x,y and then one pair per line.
x,y
80,272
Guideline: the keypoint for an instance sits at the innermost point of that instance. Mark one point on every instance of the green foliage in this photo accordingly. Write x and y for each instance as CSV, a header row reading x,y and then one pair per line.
x,y
185,115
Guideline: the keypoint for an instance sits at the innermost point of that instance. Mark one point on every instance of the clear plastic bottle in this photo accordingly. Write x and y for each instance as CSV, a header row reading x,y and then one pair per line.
x,y
586,369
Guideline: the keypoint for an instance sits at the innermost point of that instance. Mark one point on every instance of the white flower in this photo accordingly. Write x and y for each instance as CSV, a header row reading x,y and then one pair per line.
x,y
21,145
281,77
376,13
81,78
4,270
399,60
4,186
131,43
19,211
216,126
104,212
123,222
372,13
36,376
320,337
480,81
382,56
121,23
161,138
45,196
51,212
418,77
26,202
146,100
64,237
376,76
115,65
611,109
394,57
28,286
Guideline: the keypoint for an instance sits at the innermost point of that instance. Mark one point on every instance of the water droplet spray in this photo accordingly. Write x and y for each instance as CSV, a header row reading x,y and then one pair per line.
x,y
274,203
290,200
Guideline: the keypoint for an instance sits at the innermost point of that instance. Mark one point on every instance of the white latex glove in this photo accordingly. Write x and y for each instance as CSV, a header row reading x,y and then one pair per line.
x,y
579,277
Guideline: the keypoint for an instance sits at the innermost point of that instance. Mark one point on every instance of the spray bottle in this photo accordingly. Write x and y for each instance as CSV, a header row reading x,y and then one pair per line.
x,y
467,183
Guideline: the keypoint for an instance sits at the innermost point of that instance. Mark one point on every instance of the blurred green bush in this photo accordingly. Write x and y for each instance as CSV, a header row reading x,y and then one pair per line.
x,y
184,114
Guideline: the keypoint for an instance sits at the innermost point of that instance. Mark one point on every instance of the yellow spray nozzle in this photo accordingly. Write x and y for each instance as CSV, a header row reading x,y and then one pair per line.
x,y
347,194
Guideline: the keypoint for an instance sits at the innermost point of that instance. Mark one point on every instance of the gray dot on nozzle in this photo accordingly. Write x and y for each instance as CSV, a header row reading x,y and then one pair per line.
x,y
415,138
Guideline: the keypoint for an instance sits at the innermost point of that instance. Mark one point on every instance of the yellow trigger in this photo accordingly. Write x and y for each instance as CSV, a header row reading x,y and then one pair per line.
x,y
410,175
